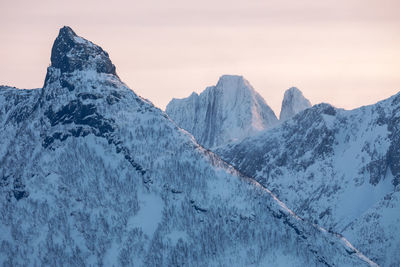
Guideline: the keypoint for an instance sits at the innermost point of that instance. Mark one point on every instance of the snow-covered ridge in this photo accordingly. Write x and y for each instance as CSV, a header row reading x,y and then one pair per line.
x,y
90,163
337,168
229,111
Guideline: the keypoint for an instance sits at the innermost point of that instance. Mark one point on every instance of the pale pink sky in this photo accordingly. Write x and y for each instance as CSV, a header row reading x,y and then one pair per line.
x,y
344,52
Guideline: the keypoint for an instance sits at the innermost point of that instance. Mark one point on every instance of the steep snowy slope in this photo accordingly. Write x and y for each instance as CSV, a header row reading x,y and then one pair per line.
x,y
92,174
379,226
229,111
293,102
337,168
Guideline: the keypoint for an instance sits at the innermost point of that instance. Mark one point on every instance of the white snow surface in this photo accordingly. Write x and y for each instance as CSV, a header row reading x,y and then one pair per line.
x,y
149,214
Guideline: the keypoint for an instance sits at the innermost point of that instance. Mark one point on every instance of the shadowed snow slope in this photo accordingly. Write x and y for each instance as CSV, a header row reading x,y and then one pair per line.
x,y
339,169
227,112
92,174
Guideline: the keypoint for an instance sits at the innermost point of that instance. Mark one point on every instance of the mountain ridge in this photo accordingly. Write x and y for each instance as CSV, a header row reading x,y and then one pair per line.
x,y
97,175
337,168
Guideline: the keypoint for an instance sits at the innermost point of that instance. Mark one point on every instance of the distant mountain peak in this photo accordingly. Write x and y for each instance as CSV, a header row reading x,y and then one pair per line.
x,y
228,111
71,52
293,102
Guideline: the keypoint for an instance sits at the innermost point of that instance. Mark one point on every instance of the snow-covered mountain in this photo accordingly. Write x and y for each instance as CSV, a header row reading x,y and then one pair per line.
x,y
339,169
92,174
227,112
293,102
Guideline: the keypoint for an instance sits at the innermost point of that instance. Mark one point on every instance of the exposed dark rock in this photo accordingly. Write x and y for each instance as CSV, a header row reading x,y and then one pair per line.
x,y
85,96
377,170
113,98
80,114
71,52
66,84
20,194
84,116
393,155
199,208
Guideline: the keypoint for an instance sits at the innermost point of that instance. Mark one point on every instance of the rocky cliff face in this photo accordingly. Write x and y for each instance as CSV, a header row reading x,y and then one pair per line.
x,y
293,102
336,168
92,174
227,112
71,52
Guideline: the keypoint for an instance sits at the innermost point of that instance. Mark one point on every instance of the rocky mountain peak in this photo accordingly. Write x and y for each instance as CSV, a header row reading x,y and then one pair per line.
x,y
293,102
226,112
71,52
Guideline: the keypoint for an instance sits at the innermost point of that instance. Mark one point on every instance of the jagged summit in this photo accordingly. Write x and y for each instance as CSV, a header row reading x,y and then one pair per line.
x,y
71,52
226,112
293,102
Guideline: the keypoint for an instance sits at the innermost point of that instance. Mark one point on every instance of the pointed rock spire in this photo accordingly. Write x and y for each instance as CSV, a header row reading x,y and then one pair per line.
x,y
293,102
71,52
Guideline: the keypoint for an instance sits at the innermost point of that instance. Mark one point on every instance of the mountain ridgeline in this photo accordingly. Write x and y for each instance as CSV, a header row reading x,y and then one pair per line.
x,y
336,168
93,174
231,111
